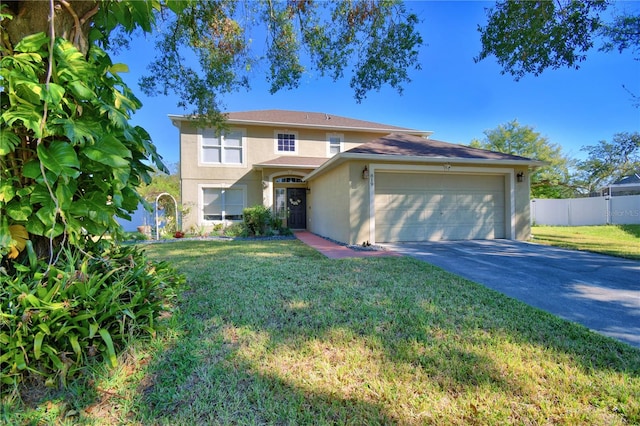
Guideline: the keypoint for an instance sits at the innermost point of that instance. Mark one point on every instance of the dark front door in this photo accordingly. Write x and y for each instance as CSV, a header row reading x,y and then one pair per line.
x,y
297,208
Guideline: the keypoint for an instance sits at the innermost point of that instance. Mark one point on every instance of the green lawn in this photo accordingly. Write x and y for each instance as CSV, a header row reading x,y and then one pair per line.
x,y
273,333
614,240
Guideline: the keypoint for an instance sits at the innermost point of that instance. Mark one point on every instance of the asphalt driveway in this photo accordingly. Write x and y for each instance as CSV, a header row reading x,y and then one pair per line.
x,y
600,292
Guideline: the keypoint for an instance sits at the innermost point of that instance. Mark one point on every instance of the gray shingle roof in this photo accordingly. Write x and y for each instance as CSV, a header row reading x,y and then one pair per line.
x,y
416,146
633,179
313,119
294,161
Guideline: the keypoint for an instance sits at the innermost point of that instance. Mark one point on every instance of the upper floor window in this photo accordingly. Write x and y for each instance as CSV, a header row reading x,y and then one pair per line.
x,y
335,144
226,148
286,143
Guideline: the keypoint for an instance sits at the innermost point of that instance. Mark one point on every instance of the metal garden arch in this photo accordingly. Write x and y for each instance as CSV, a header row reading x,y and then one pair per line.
x,y
175,203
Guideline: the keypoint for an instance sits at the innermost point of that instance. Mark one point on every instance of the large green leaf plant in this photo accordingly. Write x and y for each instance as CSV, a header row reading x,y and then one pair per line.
x,y
70,160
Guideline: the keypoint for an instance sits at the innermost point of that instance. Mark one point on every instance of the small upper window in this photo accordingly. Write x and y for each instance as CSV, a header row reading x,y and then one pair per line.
x,y
335,145
286,143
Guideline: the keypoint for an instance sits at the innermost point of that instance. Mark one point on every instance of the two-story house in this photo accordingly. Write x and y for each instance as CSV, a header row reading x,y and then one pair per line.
x,y
350,180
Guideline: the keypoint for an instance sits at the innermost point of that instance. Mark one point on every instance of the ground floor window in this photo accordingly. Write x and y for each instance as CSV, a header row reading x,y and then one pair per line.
x,y
222,203
281,203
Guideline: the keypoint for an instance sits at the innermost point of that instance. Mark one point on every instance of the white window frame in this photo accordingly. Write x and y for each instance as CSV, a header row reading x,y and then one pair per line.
x,y
341,145
202,187
285,132
221,139
282,212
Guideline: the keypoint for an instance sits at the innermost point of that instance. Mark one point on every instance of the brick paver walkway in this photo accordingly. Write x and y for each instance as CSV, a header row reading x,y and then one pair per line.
x,y
337,251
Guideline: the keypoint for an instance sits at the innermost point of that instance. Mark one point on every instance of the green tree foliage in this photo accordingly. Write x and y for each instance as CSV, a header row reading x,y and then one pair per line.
x,y
549,181
375,42
528,37
161,182
608,162
622,33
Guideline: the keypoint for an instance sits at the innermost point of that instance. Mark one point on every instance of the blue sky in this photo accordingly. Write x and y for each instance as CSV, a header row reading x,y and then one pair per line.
x,y
451,95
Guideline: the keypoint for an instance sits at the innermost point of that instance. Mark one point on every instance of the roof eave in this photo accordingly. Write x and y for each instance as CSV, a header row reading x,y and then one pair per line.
x,y
342,157
177,119
283,166
619,185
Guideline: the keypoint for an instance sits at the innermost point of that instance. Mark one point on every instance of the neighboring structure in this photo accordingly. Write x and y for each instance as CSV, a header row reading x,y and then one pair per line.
x,y
351,180
628,185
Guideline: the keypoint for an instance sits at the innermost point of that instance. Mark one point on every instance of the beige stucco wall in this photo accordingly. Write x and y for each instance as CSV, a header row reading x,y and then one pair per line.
x,y
523,212
193,175
260,146
328,213
358,204
190,188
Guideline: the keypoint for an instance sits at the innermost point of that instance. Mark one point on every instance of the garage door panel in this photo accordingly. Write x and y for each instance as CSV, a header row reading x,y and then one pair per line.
x,y
431,214
421,207
404,233
392,216
409,201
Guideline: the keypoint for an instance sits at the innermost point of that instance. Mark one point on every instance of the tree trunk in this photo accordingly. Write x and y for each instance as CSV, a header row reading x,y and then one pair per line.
x,y
71,20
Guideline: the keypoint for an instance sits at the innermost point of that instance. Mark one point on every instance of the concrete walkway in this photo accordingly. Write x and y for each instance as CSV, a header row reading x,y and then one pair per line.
x,y
337,251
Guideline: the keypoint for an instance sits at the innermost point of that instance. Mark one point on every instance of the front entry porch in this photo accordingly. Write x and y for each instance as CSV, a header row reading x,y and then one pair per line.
x,y
284,191
290,201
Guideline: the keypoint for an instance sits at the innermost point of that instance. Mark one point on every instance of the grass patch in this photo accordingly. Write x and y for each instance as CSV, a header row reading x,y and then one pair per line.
x,y
614,240
271,332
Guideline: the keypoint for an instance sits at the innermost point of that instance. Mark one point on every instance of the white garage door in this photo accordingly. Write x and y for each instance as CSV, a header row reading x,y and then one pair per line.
x,y
433,207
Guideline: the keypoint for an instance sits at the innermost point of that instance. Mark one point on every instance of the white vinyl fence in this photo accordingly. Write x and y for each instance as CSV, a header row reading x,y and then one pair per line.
x,y
623,210
138,218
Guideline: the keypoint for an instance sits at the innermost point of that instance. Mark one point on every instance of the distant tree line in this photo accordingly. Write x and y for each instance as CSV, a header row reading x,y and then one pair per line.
x,y
562,176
